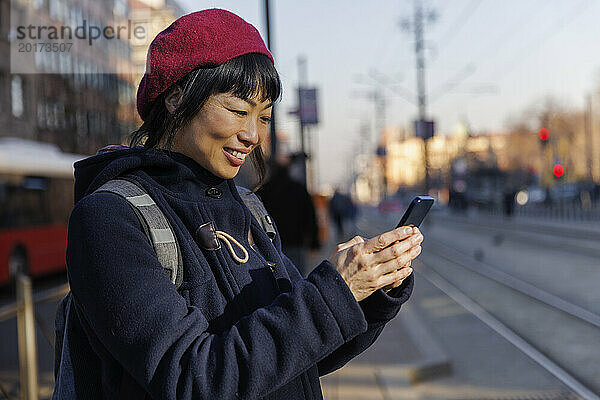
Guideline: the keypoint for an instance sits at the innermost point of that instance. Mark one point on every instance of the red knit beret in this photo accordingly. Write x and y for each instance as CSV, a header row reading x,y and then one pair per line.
x,y
206,38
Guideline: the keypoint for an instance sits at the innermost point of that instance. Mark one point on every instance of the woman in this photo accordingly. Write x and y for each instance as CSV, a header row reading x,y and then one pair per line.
x,y
237,327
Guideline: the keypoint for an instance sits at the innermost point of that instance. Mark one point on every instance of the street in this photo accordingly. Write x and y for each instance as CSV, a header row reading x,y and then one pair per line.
x,y
512,303
511,307
335,115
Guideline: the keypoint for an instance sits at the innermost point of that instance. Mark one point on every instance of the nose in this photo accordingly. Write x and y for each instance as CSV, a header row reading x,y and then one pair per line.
x,y
250,135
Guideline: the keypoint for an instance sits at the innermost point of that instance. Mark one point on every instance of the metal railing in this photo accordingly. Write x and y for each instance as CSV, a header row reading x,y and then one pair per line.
x,y
24,310
557,212
566,211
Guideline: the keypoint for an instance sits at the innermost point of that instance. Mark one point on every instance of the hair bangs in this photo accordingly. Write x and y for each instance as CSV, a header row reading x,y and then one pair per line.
x,y
249,76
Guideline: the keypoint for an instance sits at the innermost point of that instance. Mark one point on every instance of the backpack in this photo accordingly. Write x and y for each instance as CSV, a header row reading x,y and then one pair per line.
x,y
160,234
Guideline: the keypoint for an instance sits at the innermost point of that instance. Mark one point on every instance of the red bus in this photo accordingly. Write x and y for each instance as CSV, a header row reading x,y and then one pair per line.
x,y
36,199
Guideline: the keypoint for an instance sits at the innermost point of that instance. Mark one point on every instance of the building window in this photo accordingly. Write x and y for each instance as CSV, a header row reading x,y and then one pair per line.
x,y
16,94
41,114
120,8
4,21
53,62
61,121
39,60
53,8
2,91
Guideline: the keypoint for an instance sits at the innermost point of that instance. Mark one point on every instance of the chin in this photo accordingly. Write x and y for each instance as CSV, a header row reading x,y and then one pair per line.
x,y
229,173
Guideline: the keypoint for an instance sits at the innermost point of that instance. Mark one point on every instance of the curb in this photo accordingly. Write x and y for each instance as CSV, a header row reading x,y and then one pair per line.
x,y
432,363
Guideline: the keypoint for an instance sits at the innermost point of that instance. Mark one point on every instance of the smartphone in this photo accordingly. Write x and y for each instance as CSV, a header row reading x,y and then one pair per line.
x,y
416,212
414,215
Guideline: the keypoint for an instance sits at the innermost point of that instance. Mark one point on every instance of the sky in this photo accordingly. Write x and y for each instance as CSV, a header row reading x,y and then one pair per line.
x,y
487,62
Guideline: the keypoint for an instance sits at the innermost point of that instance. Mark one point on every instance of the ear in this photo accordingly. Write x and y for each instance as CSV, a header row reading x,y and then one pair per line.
x,y
173,99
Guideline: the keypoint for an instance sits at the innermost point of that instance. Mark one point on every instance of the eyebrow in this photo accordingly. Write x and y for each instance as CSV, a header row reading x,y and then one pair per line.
x,y
253,103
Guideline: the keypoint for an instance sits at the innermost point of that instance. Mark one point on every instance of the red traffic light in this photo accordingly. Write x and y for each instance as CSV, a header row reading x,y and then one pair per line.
x,y
544,134
558,170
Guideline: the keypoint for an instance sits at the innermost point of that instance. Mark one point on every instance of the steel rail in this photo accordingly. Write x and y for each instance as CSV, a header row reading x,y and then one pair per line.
x,y
527,348
516,284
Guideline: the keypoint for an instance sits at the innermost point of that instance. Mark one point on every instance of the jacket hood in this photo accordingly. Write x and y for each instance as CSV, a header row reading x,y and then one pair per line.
x,y
94,171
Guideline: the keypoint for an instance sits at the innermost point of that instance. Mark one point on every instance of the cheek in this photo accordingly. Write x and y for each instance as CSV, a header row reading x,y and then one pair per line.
x,y
263,132
221,126
207,134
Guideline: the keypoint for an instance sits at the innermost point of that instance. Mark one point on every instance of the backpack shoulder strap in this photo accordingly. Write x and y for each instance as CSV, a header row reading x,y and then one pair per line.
x,y
155,224
258,210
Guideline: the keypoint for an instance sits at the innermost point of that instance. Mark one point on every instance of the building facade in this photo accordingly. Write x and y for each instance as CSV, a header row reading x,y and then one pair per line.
x,y
79,94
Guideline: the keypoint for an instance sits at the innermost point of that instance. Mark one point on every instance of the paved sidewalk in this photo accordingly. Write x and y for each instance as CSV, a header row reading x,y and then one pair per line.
x,y
482,365
436,350
404,353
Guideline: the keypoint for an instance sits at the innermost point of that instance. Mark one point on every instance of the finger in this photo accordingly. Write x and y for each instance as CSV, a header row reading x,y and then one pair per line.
x,y
391,280
382,241
355,240
407,265
399,262
400,281
342,246
396,249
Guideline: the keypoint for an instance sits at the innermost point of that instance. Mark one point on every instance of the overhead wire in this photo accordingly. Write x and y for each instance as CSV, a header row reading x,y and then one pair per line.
x,y
497,45
527,51
459,23
386,45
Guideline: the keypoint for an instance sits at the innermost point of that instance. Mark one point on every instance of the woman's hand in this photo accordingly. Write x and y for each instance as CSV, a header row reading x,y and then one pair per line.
x,y
383,261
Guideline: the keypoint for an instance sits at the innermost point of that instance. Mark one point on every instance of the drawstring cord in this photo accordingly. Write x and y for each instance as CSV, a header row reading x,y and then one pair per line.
x,y
226,237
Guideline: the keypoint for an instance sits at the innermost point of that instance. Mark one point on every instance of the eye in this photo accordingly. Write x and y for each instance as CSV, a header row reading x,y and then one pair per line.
x,y
239,112
266,119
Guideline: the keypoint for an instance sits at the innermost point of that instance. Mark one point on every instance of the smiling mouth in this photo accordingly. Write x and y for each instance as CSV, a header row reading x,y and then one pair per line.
x,y
239,155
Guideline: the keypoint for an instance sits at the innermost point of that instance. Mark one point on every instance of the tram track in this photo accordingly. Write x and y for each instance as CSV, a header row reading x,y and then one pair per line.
x,y
489,271
570,229
562,337
568,237
508,305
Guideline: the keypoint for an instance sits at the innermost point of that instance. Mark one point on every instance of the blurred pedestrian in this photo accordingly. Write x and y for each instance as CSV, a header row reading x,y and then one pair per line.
x,y
508,201
239,322
292,208
343,212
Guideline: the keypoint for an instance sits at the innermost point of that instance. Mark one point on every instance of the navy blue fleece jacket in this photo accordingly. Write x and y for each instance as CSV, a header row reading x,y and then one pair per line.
x,y
231,331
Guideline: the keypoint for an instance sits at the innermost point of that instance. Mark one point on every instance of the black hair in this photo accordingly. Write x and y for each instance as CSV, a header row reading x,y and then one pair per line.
x,y
247,76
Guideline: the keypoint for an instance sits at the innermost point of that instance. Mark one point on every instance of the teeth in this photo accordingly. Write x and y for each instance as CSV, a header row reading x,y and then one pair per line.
x,y
238,154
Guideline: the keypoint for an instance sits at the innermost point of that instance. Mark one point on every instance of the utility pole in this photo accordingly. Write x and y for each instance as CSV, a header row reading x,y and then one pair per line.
x,y
379,101
421,93
423,127
589,138
420,59
273,131
376,95
302,79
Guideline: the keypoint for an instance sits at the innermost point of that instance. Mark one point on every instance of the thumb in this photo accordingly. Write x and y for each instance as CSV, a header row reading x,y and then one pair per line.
x,y
355,240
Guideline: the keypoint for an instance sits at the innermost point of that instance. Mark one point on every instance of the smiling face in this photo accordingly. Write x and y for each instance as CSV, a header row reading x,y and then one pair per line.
x,y
224,132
